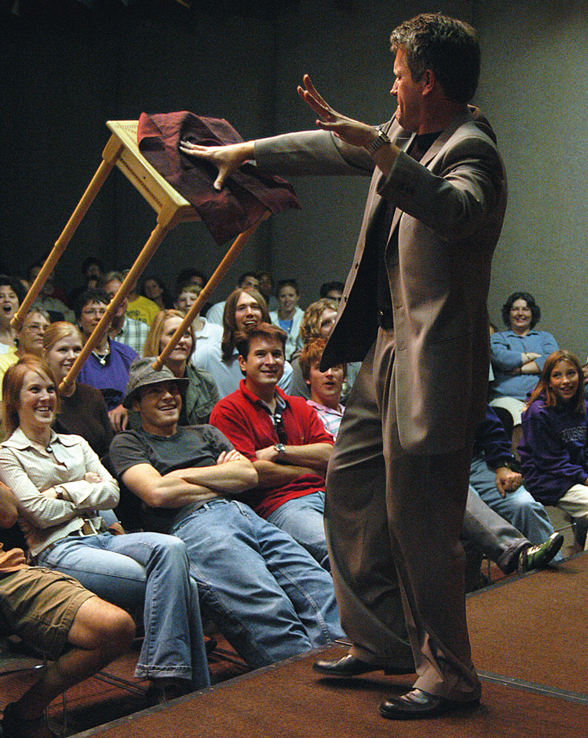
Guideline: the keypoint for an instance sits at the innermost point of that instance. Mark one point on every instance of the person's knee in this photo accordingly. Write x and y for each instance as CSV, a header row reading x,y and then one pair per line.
x,y
171,547
99,625
119,629
522,502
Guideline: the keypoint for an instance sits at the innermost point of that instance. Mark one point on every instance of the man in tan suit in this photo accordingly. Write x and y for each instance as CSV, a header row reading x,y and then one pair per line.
x,y
414,311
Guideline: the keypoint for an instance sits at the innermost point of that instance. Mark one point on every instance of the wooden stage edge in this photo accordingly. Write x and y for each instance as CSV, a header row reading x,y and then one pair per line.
x,y
529,644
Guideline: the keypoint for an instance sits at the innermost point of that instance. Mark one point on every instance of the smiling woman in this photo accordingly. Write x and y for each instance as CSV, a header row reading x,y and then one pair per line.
x,y
201,393
553,449
518,354
289,316
61,487
29,339
82,408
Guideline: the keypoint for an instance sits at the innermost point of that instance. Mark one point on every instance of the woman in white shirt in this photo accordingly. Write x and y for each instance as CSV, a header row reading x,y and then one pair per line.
x,y
60,486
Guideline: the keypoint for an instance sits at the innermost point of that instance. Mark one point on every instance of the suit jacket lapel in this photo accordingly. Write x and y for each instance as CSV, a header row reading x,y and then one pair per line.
x,y
430,154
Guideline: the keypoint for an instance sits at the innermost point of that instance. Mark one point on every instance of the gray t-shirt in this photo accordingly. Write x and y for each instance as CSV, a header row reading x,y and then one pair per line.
x,y
190,446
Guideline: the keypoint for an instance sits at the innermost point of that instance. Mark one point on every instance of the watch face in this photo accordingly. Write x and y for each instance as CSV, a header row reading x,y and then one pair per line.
x,y
280,448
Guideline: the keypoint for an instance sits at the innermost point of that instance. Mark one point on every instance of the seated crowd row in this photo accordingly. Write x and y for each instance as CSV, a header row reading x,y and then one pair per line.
x,y
242,495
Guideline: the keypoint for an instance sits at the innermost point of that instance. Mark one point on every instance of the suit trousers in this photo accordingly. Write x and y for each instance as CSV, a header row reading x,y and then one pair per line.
x,y
393,521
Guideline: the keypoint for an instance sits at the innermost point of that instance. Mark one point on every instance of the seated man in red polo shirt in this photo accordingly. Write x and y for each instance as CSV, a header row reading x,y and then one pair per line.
x,y
282,436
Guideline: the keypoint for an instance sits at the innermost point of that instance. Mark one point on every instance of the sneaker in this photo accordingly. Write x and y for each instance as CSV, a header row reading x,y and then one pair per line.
x,y
537,557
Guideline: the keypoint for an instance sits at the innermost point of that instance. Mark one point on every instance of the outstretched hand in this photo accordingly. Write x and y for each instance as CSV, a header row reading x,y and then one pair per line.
x,y
351,131
226,159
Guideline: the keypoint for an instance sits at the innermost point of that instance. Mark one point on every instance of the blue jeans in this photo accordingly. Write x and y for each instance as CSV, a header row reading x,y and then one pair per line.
x,y
151,570
304,519
268,596
518,507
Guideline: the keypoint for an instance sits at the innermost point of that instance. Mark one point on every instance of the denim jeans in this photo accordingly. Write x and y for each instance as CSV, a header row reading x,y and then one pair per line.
x,y
267,595
518,507
303,519
149,570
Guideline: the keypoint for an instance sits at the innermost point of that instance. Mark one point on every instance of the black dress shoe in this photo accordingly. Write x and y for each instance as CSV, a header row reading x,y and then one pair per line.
x,y
537,557
417,704
350,666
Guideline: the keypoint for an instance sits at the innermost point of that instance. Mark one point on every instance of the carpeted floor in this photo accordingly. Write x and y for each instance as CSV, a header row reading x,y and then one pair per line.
x,y
529,644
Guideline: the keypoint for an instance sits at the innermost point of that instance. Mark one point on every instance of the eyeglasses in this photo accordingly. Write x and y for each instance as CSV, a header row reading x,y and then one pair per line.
x,y
90,312
279,428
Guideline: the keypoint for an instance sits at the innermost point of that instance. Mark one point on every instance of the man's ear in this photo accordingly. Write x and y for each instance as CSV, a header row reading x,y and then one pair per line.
x,y
429,80
136,404
242,363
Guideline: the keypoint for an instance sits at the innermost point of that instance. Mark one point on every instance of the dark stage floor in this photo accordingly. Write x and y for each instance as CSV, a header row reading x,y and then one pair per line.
x,y
529,644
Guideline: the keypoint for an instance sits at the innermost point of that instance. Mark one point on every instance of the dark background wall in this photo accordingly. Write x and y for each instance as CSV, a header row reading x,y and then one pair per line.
x,y
67,70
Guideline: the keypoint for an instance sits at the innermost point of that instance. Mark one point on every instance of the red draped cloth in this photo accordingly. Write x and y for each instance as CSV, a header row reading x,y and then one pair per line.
x,y
246,194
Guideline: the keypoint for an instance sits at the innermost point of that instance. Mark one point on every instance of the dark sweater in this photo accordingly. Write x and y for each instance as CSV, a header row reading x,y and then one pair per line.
x,y
553,450
85,414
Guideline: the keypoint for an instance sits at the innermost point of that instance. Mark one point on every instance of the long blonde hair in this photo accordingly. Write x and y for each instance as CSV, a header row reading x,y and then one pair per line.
x,y
151,345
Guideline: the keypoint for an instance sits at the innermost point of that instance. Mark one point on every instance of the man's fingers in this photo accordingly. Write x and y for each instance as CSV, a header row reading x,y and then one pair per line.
x,y
220,180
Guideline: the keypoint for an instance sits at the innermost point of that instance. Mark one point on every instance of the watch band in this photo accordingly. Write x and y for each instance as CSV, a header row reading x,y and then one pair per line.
x,y
377,143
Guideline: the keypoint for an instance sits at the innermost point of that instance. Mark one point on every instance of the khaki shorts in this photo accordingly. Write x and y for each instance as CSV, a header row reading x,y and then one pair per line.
x,y
40,605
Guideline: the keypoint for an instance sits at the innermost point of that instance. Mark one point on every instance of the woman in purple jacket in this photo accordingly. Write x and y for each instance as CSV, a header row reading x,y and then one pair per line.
x,y
553,449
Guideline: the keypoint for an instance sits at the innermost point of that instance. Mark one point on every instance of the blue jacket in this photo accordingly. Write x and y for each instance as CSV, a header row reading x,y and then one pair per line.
x,y
492,442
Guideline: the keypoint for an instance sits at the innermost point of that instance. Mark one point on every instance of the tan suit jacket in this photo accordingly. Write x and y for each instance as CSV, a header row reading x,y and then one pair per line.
x,y
449,212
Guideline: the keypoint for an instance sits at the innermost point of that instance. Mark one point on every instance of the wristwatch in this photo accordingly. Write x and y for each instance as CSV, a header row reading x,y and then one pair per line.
x,y
377,143
280,448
